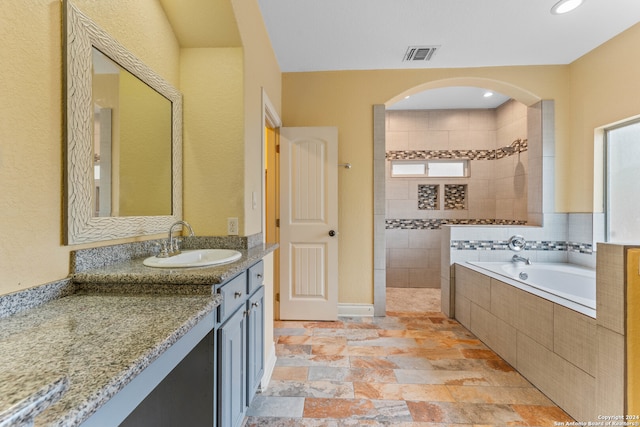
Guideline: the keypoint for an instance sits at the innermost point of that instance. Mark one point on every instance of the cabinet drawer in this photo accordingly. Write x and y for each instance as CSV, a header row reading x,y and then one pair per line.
x,y
233,295
256,277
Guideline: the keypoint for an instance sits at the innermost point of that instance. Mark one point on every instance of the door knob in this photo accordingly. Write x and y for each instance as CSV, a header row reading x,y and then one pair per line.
x,y
332,233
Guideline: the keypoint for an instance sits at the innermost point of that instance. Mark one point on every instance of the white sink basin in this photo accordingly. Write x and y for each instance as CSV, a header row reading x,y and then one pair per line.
x,y
194,258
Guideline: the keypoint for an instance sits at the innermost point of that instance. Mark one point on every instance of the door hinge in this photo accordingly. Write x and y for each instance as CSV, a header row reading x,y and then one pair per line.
x,y
278,148
278,297
278,222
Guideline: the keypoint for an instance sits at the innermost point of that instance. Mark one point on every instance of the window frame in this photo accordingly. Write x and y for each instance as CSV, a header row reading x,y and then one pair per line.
x,y
607,175
466,167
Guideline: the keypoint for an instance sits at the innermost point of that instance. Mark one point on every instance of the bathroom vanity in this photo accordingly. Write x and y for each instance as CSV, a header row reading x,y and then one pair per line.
x,y
124,344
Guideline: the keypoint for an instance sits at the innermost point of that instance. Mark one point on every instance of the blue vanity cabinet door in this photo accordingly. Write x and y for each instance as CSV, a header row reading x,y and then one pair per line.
x,y
255,346
232,363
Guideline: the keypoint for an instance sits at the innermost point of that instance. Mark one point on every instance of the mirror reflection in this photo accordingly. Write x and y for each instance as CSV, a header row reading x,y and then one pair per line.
x,y
132,143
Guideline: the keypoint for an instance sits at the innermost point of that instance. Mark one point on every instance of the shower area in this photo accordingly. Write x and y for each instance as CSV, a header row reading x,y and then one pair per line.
x,y
449,166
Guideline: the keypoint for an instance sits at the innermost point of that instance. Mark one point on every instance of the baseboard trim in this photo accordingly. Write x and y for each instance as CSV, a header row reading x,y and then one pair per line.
x,y
269,366
355,310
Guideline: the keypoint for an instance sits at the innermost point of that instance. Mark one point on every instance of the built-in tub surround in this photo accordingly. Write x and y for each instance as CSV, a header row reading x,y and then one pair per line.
x,y
568,285
552,346
583,363
564,238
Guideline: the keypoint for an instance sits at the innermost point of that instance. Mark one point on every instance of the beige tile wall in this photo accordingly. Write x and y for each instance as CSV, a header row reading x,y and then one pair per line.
x,y
497,189
613,279
574,338
610,289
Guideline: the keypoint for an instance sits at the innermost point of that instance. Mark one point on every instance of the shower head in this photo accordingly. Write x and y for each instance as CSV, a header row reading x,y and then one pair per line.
x,y
513,148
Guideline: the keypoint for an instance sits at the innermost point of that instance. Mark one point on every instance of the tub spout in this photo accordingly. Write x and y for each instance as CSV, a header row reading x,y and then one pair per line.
x,y
517,258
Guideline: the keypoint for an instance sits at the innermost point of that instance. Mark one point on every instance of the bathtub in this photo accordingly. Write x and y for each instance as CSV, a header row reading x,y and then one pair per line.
x,y
566,284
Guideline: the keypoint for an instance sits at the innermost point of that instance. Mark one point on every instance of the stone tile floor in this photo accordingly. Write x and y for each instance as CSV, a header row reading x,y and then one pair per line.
x,y
412,368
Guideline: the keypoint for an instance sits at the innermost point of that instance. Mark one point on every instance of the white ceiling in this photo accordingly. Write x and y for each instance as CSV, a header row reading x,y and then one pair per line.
x,y
326,35
454,97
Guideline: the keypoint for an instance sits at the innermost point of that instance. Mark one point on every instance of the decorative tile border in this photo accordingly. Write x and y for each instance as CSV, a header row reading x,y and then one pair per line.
x,y
487,245
583,248
517,146
427,196
436,223
533,245
501,245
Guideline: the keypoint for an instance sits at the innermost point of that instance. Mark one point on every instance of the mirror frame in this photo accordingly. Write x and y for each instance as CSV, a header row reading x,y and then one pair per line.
x,y
81,226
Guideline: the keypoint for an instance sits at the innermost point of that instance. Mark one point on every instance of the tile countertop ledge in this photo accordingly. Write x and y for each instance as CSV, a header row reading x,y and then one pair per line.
x,y
133,272
94,344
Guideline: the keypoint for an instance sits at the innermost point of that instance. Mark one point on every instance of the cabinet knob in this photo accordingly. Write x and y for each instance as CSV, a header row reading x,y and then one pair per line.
x,y
259,276
255,304
237,294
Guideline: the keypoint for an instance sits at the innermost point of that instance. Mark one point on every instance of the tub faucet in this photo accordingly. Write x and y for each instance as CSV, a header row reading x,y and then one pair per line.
x,y
172,246
517,258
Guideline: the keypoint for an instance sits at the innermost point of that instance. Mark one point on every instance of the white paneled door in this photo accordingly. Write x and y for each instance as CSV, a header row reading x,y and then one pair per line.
x,y
308,223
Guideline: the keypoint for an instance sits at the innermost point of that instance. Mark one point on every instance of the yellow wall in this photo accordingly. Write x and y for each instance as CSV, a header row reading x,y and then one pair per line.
x,y
31,144
261,72
223,126
213,146
601,87
605,88
141,26
345,99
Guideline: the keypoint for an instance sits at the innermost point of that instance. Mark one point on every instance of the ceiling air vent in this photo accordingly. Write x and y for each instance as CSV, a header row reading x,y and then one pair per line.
x,y
420,53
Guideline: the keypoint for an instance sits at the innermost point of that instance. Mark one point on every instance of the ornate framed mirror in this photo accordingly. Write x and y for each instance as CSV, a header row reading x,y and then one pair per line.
x,y
123,124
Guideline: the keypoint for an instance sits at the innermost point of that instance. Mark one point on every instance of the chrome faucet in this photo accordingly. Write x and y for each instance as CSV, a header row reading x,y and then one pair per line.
x,y
517,258
172,245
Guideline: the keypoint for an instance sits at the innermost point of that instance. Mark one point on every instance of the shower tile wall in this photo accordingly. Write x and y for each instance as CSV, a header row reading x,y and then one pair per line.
x,y
496,189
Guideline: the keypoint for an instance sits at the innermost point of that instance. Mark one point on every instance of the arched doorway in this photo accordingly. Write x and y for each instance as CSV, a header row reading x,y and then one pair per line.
x,y
532,106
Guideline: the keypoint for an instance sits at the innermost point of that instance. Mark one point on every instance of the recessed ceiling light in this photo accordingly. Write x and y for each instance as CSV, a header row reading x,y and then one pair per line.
x,y
488,94
564,6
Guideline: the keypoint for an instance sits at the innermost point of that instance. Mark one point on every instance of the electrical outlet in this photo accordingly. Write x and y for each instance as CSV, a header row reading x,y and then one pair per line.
x,y
232,226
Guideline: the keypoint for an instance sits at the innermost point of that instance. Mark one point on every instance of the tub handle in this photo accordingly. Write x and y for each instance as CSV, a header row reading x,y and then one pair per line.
x,y
516,243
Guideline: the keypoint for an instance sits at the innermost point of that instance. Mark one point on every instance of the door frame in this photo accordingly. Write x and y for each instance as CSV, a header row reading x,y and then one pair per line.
x,y
271,119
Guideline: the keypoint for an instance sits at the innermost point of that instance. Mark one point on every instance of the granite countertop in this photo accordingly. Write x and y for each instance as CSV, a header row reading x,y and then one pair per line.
x,y
68,347
75,353
133,272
